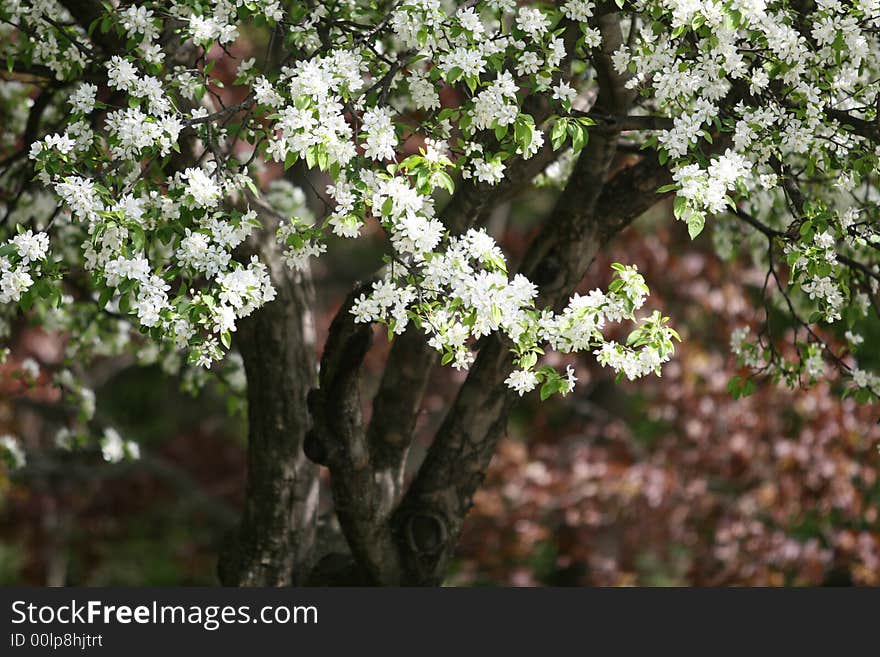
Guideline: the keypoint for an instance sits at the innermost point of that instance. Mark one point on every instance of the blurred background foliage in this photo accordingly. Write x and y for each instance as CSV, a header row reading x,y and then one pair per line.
x,y
657,482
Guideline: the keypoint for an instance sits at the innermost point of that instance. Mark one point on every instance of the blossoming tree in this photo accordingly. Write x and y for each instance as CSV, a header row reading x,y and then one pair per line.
x,y
140,214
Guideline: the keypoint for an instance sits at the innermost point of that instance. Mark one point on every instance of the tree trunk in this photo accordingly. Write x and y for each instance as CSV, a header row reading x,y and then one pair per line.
x,y
275,542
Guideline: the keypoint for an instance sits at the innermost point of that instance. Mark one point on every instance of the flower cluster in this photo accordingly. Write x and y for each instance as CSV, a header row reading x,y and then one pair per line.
x,y
20,261
462,292
701,191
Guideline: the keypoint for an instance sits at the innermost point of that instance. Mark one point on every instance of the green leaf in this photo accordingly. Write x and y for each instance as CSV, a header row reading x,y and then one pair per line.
x,y
679,206
523,130
558,134
106,295
445,181
633,337
412,162
578,136
251,185
138,238
54,296
734,386
695,223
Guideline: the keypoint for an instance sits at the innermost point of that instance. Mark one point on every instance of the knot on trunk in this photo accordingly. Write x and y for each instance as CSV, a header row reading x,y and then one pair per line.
x,y
426,532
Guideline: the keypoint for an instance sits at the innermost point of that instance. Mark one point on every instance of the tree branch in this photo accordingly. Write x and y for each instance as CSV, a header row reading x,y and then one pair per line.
x,y
338,440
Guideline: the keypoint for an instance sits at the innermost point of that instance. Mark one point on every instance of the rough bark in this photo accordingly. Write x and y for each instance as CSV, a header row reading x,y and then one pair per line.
x,y
274,544
338,440
395,412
